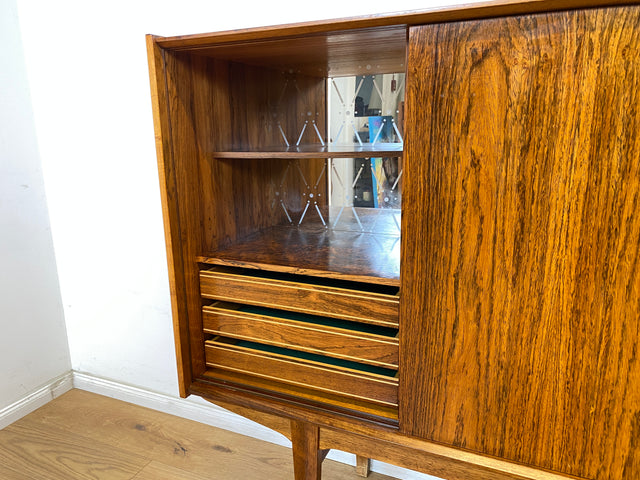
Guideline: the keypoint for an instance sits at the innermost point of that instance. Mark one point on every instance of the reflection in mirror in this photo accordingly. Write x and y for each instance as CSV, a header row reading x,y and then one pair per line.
x,y
361,194
365,111
352,194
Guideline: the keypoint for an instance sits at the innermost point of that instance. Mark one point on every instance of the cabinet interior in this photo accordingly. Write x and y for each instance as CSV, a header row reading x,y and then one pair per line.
x,y
287,166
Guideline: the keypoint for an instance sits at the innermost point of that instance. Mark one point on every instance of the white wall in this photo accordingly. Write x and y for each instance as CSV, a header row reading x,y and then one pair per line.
x,y
87,69
33,343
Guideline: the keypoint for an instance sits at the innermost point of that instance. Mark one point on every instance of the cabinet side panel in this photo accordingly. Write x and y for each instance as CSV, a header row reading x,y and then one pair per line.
x,y
520,305
170,209
187,140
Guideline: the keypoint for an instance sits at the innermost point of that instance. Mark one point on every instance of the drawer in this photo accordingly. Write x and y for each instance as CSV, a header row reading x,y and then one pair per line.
x,y
348,301
363,343
373,384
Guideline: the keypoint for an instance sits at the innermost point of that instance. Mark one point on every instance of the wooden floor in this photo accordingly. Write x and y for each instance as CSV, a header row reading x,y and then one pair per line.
x,y
81,435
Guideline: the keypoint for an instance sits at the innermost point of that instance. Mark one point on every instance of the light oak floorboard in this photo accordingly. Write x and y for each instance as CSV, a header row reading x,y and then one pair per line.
x,y
34,452
84,435
159,471
7,474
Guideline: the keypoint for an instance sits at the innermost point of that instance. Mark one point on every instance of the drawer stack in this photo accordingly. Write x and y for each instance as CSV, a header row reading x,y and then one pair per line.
x,y
331,341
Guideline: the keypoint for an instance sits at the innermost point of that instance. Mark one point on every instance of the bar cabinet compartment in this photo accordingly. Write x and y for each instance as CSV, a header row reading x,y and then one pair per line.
x,y
352,341
273,95
265,145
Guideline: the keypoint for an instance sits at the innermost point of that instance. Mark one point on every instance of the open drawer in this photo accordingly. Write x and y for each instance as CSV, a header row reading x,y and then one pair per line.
x,y
351,301
361,382
358,342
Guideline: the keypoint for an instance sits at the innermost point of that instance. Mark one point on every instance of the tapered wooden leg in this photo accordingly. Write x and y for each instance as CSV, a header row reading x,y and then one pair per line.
x,y
307,458
362,466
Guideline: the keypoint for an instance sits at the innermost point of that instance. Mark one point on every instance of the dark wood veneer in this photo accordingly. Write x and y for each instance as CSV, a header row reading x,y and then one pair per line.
x,y
518,286
304,333
314,151
314,250
299,296
521,310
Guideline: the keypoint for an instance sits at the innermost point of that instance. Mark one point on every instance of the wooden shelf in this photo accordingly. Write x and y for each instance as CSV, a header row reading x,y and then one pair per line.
x,y
315,250
367,150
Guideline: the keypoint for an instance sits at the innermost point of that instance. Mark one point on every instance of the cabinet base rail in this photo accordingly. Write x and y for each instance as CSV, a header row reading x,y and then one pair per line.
x,y
313,435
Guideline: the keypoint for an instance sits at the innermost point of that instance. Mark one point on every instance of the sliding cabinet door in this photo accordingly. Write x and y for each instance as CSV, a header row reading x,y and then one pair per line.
x,y
520,300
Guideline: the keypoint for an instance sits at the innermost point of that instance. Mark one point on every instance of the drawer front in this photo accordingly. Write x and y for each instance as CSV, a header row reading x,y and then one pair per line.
x,y
353,305
356,384
307,333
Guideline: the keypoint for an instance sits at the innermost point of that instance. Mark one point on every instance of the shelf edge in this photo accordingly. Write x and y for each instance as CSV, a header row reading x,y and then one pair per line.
x,y
213,260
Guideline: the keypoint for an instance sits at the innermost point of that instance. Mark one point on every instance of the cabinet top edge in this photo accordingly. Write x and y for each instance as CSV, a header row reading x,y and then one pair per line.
x,y
396,20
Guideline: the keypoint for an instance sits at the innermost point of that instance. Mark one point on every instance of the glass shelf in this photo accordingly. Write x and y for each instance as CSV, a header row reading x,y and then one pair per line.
x,y
366,150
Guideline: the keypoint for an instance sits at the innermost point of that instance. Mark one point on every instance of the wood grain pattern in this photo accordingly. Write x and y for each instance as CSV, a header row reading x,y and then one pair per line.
x,y
349,254
413,453
343,303
520,307
6,473
307,457
224,115
314,150
153,436
276,423
170,214
159,471
520,311
287,397
33,452
432,458
183,82
73,436
387,445
202,105
244,107
311,335
268,106
361,385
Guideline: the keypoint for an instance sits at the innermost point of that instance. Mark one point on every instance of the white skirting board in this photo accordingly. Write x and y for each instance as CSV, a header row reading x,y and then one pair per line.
x,y
36,399
192,408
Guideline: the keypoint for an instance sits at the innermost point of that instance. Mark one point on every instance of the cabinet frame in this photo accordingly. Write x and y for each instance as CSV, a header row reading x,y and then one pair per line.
x,y
185,155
